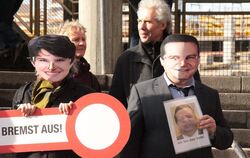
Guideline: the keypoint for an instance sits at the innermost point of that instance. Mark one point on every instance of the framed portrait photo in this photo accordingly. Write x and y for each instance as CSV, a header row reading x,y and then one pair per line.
x,y
183,118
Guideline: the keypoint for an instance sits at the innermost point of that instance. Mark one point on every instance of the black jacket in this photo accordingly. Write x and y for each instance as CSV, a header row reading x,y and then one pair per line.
x,y
84,75
71,90
135,65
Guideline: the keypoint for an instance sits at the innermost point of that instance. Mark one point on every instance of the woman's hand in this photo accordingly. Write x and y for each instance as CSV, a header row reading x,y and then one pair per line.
x,y
65,107
26,109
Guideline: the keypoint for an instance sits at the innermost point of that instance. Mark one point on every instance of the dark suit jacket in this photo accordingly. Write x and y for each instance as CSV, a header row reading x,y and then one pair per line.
x,y
150,134
134,66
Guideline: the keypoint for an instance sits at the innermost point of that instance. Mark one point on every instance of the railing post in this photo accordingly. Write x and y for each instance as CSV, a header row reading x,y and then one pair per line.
x,y
183,16
177,16
74,10
37,18
31,17
238,150
45,17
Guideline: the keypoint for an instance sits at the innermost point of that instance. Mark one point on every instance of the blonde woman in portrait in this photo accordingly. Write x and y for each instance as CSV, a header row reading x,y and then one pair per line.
x,y
186,121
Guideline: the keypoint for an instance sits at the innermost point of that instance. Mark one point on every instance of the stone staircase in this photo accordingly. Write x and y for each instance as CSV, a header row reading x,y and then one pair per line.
x,y
235,100
234,95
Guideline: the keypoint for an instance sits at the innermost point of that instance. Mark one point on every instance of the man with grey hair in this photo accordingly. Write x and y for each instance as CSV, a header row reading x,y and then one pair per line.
x,y
142,62
133,7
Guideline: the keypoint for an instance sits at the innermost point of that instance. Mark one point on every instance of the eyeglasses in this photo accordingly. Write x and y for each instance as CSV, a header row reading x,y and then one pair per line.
x,y
59,62
178,59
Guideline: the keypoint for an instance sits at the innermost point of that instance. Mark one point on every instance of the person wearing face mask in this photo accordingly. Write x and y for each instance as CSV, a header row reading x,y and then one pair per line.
x,y
150,132
52,57
142,62
77,35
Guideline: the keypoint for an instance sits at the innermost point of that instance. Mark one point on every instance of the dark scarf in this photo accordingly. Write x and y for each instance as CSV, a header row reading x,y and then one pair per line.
x,y
152,50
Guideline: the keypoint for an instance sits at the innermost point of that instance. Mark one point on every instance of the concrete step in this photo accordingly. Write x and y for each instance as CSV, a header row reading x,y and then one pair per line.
x,y
229,101
237,118
10,81
234,91
229,153
235,151
242,136
228,84
224,84
235,101
13,79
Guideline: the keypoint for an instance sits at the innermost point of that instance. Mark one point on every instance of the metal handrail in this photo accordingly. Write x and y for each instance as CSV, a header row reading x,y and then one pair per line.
x,y
34,26
238,150
66,8
24,24
74,1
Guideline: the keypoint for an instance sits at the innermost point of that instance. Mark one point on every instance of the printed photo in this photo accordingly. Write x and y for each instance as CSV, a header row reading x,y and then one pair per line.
x,y
183,119
186,121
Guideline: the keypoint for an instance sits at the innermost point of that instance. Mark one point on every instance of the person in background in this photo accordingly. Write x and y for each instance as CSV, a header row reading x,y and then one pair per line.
x,y
9,38
133,6
142,62
53,57
13,47
150,133
76,33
